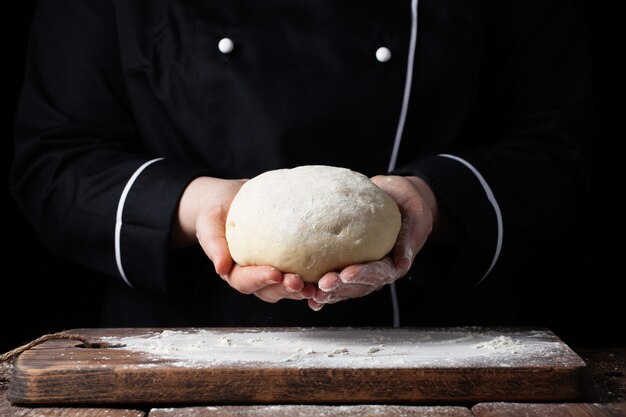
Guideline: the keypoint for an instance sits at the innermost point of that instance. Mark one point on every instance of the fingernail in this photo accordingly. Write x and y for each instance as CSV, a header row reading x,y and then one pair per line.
x,y
317,307
321,299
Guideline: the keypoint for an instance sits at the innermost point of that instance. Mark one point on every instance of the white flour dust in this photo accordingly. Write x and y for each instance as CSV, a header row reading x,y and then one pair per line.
x,y
346,348
504,343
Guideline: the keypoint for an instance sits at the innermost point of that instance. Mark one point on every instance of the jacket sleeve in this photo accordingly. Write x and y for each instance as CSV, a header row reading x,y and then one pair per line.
x,y
516,190
80,173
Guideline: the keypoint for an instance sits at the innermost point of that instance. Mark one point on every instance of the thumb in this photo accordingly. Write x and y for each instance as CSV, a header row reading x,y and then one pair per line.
x,y
212,237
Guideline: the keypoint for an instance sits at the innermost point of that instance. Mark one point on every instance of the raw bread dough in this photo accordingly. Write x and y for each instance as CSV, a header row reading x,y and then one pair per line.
x,y
311,220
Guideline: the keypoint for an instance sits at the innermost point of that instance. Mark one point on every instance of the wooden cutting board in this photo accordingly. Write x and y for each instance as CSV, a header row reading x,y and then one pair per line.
x,y
301,366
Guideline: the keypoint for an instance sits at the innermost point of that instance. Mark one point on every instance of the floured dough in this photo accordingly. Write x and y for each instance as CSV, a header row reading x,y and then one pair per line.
x,y
311,220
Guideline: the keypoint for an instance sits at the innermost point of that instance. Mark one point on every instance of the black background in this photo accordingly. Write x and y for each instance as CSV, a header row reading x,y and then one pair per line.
x,y
40,293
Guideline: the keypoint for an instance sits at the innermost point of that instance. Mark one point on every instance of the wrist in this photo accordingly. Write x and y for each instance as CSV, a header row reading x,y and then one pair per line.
x,y
428,197
183,231
443,231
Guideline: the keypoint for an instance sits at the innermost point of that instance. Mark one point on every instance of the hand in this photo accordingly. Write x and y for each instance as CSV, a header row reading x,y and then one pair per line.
x,y
418,207
201,218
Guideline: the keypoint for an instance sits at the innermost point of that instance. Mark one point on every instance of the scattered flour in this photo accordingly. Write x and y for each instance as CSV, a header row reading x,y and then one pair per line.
x,y
374,349
501,343
345,348
224,341
339,351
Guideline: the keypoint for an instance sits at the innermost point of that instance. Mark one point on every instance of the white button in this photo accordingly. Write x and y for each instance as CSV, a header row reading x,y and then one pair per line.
x,y
383,54
226,46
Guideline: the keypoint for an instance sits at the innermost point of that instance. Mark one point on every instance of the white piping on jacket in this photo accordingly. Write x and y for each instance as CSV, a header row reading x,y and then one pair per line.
x,y
496,207
400,129
118,218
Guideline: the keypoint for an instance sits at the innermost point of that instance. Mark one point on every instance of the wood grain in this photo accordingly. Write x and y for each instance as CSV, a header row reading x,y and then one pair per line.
x,y
607,368
61,372
313,411
552,410
9,410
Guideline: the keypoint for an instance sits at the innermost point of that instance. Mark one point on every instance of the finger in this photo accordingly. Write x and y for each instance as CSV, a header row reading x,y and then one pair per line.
x,y
337,298
308,291
321,297
414,231
212,238
344,291
275,293
290,288
374,274
314,305
417,219
354,291
250,279
407,244
329,281
293,282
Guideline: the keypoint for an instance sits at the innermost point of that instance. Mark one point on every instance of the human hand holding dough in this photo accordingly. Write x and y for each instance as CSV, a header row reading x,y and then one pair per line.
x,y
311,220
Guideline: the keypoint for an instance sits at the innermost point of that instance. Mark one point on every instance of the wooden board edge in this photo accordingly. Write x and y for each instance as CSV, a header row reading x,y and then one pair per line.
x,y
324,386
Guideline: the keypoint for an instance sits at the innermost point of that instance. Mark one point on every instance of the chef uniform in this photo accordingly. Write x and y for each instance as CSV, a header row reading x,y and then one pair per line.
x,y
126,101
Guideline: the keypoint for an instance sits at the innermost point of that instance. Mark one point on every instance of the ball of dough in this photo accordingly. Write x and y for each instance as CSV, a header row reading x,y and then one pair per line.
x,y
311,220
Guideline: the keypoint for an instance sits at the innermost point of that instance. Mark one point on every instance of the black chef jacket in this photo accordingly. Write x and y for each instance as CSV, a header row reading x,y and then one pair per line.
x,y
126,101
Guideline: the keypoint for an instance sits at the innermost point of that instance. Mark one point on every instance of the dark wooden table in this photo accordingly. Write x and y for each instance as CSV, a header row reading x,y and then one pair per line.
x,y
607,366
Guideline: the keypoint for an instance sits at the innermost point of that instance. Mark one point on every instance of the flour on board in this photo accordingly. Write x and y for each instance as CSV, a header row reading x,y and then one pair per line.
x,y
346,347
